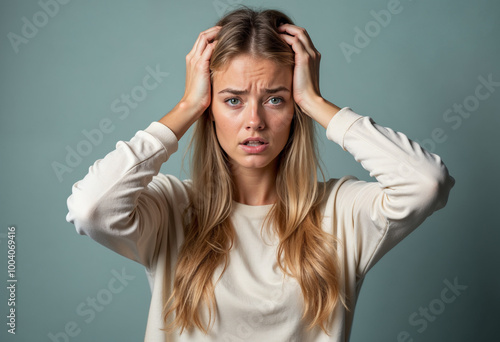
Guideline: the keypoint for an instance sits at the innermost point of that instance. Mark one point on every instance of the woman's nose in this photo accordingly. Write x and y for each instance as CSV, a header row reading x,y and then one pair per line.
x,y
254,117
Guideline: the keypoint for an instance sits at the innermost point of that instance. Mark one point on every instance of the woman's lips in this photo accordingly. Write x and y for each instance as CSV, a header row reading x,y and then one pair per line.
x,y
254,149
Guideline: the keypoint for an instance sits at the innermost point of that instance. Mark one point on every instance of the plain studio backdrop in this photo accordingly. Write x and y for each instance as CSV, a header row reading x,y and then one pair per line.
x,y
73,84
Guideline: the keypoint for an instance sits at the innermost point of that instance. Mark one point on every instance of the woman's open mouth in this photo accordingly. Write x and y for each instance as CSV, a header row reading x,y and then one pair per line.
x,y
254,146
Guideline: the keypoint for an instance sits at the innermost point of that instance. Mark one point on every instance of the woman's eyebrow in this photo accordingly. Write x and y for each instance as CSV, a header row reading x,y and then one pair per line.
x,y
245,92
276,90
233,91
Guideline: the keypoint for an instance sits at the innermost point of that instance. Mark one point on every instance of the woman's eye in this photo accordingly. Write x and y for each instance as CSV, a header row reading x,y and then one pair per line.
x,y
275,100
233,101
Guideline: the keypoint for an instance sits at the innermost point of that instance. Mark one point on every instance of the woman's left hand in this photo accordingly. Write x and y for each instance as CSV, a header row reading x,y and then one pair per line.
x,y
306,74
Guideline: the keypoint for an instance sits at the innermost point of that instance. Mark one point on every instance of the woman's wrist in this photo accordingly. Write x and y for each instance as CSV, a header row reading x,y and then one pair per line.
x,y
180,118
320,110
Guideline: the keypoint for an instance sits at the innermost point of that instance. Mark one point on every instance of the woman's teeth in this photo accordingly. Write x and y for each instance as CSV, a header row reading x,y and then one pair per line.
x,y
254,143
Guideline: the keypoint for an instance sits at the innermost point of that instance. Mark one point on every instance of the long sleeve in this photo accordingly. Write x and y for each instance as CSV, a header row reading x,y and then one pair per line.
x,y
122,203
412,183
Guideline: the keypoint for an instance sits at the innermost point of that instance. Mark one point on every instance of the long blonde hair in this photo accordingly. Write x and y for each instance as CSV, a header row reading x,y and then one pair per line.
x,y
309,253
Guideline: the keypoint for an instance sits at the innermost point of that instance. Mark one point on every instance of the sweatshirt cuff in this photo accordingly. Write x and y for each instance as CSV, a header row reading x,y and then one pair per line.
x,y
164,135
340,124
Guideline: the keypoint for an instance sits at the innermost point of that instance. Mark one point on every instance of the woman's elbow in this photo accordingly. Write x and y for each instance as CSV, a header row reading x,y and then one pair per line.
x,y
81,213
436,191
443,188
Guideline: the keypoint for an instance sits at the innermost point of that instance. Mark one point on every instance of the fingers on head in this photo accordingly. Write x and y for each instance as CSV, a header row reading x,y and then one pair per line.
x,y
208,50
210,34
204,38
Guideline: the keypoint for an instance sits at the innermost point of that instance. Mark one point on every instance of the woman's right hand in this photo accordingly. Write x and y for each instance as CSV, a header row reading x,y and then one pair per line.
x,y
197,95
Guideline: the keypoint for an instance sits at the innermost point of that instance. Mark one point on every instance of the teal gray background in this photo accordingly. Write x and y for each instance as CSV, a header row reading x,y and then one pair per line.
x,y
66,77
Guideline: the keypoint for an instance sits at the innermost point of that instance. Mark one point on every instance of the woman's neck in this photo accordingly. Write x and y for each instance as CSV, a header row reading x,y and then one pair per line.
x,y
255,186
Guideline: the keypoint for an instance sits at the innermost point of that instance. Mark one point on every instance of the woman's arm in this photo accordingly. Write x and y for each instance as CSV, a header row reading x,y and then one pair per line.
x,y
117,205
411,184
120,203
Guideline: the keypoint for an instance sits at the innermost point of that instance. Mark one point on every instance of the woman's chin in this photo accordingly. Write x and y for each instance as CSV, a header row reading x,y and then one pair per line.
x,y
249,162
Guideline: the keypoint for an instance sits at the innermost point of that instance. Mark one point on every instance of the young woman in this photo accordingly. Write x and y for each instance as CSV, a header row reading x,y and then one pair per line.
x,y
254,247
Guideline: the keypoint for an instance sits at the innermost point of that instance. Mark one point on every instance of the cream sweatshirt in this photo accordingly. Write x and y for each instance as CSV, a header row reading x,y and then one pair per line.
x,y
125,204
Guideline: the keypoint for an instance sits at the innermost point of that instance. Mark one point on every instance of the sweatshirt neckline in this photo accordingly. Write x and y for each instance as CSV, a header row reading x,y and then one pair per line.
x,y
251,210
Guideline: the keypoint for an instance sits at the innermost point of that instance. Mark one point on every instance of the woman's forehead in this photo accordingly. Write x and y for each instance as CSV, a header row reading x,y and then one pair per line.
x,y
245,71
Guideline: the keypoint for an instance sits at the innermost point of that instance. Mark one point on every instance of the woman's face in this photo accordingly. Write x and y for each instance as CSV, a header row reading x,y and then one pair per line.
x,y
252,99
